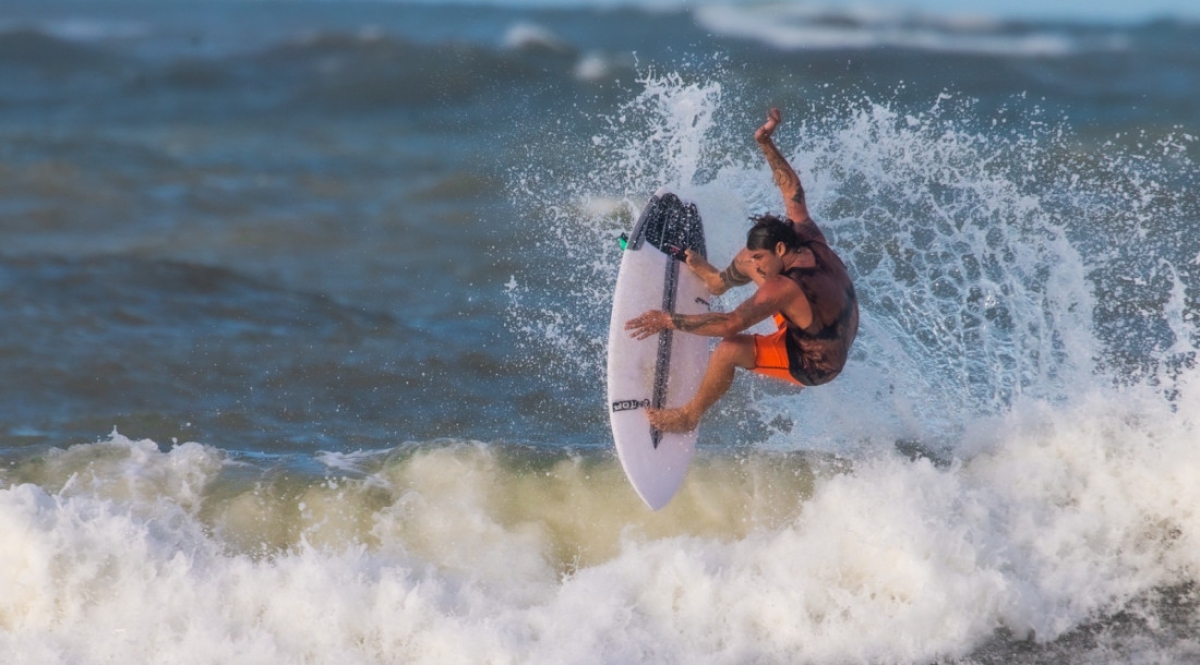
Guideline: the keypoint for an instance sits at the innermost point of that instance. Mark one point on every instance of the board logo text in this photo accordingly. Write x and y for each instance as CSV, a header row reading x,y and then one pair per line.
x,y
630,405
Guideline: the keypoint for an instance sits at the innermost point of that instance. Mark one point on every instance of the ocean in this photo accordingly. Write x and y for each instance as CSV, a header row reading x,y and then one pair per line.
x,y
304,308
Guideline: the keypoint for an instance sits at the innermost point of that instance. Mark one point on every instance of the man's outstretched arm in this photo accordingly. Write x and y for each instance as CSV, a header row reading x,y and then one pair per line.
x,y
785,175
740,269
765,302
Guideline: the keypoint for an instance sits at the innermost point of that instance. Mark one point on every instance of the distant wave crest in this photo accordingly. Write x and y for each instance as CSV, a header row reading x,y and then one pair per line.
x,y
796,27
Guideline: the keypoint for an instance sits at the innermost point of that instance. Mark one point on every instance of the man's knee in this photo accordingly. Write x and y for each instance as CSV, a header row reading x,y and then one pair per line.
x,y
737,351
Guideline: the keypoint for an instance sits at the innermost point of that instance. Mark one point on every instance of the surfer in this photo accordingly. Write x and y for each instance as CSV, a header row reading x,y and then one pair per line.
x,y
801,282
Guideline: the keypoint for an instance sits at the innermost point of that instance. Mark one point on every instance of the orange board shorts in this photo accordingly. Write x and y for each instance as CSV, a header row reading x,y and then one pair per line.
x,y
771,356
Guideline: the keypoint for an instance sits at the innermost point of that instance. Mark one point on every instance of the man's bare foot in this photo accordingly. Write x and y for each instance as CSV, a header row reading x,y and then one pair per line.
x,y
673,420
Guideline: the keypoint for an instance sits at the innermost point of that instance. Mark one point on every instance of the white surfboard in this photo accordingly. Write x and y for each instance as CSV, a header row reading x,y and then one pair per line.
x,y
663,371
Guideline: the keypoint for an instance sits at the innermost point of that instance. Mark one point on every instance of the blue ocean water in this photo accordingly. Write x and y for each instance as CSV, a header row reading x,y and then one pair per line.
x,y
304,312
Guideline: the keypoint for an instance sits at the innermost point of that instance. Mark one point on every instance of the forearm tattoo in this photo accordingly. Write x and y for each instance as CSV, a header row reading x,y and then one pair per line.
x,y
785,176
731,276
694,322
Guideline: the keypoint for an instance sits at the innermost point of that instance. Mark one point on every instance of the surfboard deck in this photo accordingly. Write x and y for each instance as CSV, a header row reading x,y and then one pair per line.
x,y
663,371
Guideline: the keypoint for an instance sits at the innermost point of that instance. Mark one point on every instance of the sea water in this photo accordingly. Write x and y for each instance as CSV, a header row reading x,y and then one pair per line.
x,y
304,309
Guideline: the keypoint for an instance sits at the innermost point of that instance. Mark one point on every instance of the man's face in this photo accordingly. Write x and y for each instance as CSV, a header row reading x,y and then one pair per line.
x,y
768,263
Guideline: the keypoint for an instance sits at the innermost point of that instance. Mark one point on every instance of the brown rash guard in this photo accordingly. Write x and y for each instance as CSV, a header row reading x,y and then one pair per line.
x,y
818,353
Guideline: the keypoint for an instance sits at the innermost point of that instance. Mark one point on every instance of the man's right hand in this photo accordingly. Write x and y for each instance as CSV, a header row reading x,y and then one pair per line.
x,y
706,272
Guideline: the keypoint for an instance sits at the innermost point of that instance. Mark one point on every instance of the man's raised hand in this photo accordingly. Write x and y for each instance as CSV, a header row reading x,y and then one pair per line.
x,y
774,117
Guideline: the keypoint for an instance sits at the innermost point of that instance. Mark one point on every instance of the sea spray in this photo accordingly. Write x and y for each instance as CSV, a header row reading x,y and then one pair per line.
x,y
657,139
964,243
972,295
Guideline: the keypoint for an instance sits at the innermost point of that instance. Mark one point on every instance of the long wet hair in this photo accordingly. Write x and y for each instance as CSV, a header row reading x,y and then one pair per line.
x,y
768,231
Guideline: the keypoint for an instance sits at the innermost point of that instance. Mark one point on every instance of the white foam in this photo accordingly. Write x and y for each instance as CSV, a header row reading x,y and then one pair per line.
x,y
1065,512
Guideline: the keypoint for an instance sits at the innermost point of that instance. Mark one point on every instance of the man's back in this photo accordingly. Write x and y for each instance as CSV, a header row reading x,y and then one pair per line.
x,y
818,351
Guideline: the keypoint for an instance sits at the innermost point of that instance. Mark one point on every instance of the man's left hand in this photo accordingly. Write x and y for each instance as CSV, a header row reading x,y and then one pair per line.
x,y
774,117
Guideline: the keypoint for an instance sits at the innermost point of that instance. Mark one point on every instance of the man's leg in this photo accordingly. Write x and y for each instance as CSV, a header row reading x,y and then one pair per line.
x,y
731,353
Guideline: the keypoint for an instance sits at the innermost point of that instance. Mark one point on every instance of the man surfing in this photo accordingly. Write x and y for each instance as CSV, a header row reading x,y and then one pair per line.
x,y
801,282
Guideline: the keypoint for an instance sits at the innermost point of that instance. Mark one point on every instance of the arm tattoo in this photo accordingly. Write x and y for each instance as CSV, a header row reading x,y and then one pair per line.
x,y
732,276
690,323
785,175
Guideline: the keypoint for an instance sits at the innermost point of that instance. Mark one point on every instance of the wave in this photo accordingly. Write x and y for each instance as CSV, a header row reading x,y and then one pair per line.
x,y
174,349
530,36
594,65
998,347
810,27
1064,518
341,71
335,499
78,29
398,64
357,70
27,48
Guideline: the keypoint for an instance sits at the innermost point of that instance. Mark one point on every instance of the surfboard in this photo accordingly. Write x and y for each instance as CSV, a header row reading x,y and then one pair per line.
x,y
663,371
